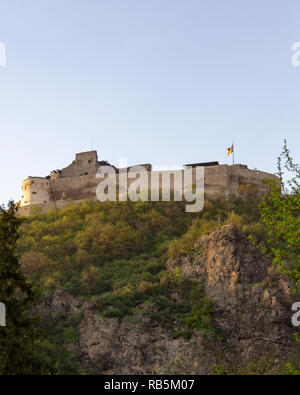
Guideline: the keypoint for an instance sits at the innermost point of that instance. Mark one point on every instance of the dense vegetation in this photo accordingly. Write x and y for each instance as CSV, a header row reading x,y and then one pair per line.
x,y
280,213
115,253
18,339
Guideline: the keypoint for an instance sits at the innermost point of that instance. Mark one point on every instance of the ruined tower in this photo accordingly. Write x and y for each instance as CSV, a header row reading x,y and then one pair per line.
x,y
35,190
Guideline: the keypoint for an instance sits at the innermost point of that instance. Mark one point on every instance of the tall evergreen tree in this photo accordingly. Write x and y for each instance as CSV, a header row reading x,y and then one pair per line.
x,y
19,336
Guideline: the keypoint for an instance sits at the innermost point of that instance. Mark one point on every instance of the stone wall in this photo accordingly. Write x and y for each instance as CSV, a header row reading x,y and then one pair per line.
x,y
219,181
79,182
216,181
27,211
74,188
35,190
85,163
252,178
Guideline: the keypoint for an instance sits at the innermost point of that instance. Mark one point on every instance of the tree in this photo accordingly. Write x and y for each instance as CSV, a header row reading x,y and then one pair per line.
x,y
280,213
22,332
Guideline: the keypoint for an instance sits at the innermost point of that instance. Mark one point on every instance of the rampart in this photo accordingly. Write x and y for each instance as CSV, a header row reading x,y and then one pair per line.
x,y
78,182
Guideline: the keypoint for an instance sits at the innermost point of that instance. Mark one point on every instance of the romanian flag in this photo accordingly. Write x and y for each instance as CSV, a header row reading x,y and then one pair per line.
x,y
230,150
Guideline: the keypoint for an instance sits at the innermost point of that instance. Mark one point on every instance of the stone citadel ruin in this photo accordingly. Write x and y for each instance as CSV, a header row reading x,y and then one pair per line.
x,y
78,182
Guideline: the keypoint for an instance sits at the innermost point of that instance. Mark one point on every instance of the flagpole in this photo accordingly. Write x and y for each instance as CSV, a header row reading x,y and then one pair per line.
x,y
232,153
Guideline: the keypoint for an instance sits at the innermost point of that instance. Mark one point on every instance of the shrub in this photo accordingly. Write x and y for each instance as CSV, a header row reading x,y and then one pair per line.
x,y
70,335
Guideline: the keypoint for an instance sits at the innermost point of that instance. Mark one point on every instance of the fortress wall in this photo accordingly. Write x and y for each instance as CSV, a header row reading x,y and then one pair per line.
x,y
216,181
253,178
219,181
75,170
84,187
86,163
226,181
75,188
35,190
163,181
26,211
66,203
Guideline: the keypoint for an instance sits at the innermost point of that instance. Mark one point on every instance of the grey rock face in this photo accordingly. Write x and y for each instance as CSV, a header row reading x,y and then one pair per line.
x,y
252,309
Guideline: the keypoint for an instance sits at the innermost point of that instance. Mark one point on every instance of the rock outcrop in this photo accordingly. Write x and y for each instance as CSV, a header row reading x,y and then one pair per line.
x,y
252,311
252,301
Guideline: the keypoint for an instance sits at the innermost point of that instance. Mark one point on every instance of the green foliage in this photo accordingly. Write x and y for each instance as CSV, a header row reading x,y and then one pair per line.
x,y
186,244
266,364
291,369
75,319
68,248
183,300
70,335
18,338
64,361
199,316
114,254
280,213
242,213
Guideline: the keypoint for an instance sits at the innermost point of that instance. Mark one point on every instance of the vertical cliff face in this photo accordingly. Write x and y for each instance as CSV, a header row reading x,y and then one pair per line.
x,y
252,301
252,312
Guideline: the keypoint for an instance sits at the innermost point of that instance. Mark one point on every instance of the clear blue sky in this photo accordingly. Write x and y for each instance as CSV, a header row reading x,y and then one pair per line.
x,y
160,81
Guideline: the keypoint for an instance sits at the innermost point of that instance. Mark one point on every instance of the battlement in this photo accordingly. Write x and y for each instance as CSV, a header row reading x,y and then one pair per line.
x,y
78,181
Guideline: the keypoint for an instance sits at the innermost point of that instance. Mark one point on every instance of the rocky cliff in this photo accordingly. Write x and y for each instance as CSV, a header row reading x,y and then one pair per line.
x,y
252,314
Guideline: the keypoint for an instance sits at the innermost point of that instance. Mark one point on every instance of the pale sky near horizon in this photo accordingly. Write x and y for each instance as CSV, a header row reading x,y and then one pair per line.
x,y
161,81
